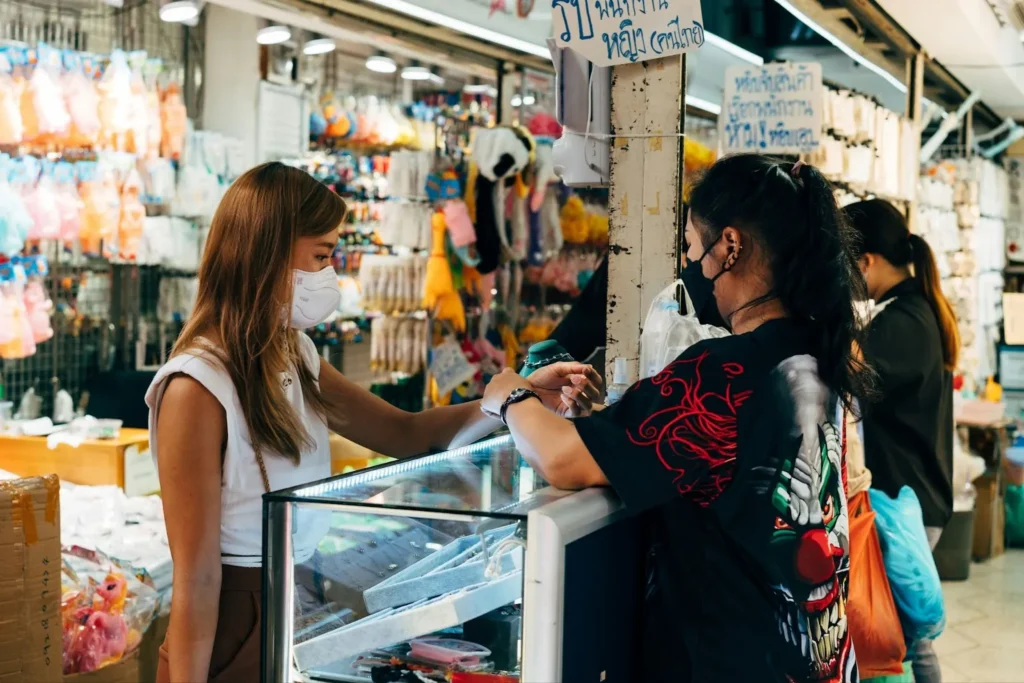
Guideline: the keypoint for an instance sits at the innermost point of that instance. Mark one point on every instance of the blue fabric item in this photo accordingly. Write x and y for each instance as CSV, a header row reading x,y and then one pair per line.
x,y
914,580
317,124
536,252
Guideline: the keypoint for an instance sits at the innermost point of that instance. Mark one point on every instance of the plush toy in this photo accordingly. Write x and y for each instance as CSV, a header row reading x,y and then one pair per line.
x,y
498,153
574,221
37,308
439,293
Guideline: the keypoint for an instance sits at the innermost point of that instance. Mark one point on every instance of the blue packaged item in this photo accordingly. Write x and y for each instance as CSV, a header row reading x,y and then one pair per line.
x,y
909,564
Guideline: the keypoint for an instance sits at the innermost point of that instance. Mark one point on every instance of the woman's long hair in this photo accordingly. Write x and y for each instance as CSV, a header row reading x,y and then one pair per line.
x,y
244,296
883,231
791,213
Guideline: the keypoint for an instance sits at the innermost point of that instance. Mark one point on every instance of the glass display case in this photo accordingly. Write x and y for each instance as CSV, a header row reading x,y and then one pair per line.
x,y
458,566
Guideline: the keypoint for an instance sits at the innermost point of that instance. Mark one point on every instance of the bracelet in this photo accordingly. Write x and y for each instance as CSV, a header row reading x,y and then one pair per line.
x,y
517,396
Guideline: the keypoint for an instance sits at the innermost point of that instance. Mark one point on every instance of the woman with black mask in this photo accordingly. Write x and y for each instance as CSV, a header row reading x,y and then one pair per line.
x,y
912,343
734,450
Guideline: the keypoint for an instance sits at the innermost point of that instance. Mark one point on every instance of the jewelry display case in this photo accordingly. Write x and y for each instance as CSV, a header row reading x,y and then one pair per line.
x,y
461,566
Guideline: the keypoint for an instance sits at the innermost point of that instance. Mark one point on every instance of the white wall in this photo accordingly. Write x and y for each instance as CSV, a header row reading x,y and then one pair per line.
x,y
231,76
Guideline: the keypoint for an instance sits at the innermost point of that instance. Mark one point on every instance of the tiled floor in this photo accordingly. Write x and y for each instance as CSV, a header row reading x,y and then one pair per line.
x,y
984,637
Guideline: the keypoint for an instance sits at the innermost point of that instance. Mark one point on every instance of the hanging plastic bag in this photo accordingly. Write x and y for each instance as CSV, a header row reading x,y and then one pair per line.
x,y
667,334
909,564
873,620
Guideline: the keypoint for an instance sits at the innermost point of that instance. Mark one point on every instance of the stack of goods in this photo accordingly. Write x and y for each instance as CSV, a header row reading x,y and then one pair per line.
x,y
867,148
391,283
399,344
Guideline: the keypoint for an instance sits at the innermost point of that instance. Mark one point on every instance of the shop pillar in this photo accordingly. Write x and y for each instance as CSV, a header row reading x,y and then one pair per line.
x,y
645,201
231,76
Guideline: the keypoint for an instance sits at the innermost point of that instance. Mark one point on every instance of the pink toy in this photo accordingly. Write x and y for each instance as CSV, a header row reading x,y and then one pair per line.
x,y
41,203
38,307
460,227
103,637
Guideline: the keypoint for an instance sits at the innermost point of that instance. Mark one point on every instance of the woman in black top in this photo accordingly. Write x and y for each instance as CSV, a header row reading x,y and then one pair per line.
x,y
734,451
912,343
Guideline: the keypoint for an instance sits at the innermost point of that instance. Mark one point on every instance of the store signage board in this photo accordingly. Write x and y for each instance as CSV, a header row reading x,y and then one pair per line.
x,y
449,367
772,109
610,32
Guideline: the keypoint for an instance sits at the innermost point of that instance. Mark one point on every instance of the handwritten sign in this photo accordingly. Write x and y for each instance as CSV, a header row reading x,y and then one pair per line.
x,y
610,32
774,109
449,367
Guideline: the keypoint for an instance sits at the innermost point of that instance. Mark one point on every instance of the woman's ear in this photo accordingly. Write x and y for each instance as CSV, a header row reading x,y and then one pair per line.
x,y
732,239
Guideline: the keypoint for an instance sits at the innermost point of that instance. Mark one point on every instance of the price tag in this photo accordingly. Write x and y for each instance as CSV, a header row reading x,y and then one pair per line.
x,y
610,32
772,109
140,475
449,367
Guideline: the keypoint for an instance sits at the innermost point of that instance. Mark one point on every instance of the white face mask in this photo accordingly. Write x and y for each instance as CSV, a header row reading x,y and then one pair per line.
x,y
315,296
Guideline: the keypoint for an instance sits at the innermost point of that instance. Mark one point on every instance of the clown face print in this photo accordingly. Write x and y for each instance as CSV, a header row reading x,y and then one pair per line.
x,y
810,539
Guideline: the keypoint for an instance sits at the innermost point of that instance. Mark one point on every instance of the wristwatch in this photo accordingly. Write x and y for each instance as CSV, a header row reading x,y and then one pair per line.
x,y
517,396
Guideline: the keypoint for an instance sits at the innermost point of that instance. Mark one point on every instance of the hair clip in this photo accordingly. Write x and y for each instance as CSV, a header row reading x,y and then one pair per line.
x,y
795,171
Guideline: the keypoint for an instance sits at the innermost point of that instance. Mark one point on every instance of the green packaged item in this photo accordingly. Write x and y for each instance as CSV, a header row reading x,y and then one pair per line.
x,y
544,353
1014,502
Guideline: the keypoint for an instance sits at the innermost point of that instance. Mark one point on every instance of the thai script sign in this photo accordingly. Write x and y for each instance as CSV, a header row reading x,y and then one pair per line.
x,y
773,109
610,32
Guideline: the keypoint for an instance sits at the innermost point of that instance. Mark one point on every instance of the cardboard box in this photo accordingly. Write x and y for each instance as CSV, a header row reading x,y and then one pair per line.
x,y
125,461
989,517
125,671
30,578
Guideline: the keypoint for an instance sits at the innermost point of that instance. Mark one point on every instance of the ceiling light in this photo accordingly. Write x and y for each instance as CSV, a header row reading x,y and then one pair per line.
x,y
529,100
478,88
517,101
179,12
703,105
381,64
273,35
435,77
319,46
416,72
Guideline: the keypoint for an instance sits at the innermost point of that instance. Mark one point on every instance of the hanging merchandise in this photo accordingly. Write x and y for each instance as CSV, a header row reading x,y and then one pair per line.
x,y
11,128
102,212
38,306
133,213
15,221
439,295
173,122
83,103
17,339
405,224
43,109
115,89
407,174
399,344
40,198
392,283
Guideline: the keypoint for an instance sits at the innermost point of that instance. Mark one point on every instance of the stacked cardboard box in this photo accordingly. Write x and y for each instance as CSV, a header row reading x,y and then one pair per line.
x,y
30,581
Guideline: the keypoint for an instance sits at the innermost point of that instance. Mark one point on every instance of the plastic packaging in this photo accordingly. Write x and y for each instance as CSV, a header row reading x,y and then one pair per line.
x,y
909,565
666,333
620,382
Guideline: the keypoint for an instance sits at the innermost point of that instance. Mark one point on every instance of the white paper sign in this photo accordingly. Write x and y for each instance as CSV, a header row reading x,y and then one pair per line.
x,y
449,367
140,474
774,109
609,32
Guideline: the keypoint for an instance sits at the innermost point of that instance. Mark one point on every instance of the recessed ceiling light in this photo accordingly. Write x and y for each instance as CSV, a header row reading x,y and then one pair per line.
x,y
179,12
319,46
273,35
480,89
517,101
381,64
529,100
416,72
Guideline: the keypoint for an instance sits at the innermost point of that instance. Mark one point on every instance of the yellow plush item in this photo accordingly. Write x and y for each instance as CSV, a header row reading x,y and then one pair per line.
x,y
597,225
511,344
470,194
574,221
439,295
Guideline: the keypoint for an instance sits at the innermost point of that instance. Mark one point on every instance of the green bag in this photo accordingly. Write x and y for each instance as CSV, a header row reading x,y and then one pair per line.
x,y
1015,516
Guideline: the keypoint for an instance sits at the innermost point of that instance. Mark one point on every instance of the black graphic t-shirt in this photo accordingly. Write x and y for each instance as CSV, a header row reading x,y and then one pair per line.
x,y
734,456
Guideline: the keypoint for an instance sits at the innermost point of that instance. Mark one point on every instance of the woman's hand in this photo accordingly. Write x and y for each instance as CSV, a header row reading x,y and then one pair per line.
x,y
499,388
567,389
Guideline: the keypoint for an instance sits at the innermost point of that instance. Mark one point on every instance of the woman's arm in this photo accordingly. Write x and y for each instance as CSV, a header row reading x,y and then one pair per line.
x,y
191,430
370,421
374,423
549,443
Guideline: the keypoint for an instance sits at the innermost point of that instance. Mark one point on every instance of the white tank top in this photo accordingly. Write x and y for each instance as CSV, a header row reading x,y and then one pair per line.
x,y
241,513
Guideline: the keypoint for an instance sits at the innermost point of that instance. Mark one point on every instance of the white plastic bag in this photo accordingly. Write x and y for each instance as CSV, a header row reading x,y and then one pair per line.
x,y
667,334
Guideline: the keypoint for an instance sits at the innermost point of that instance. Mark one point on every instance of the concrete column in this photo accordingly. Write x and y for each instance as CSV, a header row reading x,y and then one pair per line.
x,y
231,76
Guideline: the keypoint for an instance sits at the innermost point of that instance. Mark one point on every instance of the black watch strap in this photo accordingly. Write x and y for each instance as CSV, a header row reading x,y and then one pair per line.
x,y
517,396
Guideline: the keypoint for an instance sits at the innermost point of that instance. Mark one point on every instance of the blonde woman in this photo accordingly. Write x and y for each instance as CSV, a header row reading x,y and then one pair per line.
x,y
244,406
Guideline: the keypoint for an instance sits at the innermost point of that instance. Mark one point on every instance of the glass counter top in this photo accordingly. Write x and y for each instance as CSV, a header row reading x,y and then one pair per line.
x,y
489,478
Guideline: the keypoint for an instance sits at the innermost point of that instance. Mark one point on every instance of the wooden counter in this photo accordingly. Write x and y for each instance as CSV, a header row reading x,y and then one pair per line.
x,y
124,461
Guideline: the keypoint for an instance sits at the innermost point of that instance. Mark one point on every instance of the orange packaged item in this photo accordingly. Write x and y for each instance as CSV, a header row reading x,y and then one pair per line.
x,y
873,621
83,101
173,122
115,103
133,215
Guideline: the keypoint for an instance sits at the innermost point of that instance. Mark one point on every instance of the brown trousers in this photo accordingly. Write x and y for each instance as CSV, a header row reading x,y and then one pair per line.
x,y
236,647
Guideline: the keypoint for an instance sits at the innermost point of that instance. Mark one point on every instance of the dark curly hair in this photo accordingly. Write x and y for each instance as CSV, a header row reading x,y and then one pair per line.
x,y
794,219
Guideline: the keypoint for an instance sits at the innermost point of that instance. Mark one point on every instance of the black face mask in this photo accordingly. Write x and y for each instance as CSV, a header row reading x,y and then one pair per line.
x,y
701,291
